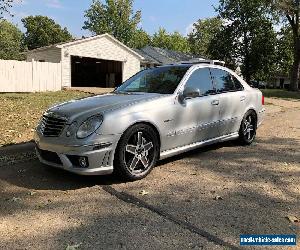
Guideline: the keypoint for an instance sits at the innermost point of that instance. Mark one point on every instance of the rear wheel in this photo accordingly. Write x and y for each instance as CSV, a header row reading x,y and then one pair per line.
x,y
248,127
137,152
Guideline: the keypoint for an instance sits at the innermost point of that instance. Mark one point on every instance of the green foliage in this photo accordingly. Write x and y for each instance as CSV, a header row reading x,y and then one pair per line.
x,y
140,39
115,17
180,43
11,43
285,51
4,7
289,11
220,47
43,31
204,31
250,36
279,93
174,41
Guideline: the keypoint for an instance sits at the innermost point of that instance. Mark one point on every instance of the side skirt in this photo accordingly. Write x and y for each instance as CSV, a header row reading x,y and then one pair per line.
x,y
180,150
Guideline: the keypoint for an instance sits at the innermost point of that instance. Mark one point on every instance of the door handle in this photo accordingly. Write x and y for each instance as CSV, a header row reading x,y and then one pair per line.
x,y
243,98
215,102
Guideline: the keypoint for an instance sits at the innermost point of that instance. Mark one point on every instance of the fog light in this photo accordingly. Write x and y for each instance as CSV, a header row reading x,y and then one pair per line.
x,y
83,162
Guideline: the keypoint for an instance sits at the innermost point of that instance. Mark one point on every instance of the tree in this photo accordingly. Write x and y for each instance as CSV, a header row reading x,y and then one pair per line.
x,y
179,43
253,39
140,39
43,31
224,50
4,7
285,50
115,17
174,41
202,35
290,11
11,43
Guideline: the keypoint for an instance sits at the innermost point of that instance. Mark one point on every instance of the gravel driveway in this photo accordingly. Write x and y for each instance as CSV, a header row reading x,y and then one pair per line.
x,y
200,200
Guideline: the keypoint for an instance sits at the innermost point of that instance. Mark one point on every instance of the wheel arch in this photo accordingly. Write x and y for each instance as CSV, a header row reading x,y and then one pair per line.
x,y
155,129
255,113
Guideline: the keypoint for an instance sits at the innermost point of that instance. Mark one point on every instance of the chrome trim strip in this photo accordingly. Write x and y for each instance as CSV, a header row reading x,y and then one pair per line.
x,y
175,151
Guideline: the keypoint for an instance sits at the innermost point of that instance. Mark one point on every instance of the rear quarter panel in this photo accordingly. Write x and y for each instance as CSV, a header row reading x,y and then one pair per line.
x,y
254,102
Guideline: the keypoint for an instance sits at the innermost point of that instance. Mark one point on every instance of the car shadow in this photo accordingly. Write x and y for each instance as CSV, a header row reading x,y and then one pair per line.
x,y
34,175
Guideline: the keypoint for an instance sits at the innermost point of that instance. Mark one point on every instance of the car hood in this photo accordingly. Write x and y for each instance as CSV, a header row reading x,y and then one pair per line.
x,y
99,104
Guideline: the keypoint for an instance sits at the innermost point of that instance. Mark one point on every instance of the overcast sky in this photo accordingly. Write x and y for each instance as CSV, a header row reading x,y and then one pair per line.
x,y
174,15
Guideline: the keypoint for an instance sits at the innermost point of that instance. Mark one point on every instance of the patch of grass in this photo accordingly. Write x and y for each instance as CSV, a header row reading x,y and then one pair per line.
x,y
279,93
20,113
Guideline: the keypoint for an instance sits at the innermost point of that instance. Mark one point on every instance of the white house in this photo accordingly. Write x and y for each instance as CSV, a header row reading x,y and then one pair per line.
x,y
98,61
102,61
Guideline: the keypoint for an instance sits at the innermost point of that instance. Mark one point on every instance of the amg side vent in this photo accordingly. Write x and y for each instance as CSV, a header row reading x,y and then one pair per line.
x,y
52,125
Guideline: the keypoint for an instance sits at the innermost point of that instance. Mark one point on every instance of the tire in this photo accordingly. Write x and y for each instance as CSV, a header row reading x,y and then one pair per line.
x,y
137,152
248,128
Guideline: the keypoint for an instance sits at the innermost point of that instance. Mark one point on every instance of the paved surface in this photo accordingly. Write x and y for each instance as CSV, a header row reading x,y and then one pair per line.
x,y
200,200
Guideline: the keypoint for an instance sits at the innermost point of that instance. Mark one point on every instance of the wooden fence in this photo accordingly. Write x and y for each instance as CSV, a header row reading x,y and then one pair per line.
x,y
21,76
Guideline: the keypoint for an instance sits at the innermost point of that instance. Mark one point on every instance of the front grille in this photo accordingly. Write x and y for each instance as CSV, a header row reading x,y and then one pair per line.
x,y
52,126
50,156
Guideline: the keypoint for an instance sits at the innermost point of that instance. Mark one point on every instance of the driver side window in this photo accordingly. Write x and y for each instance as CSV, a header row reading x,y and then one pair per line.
x,y
201,79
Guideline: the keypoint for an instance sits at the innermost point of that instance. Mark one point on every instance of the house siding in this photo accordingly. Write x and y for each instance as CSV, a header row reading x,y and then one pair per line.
x,y
52,55
102,48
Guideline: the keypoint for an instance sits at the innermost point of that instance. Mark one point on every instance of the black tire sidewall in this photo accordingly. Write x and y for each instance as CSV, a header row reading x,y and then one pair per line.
x,y
120,167
242,138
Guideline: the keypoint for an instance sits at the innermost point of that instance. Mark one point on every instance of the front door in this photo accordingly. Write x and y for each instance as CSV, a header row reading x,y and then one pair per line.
x,y
197,118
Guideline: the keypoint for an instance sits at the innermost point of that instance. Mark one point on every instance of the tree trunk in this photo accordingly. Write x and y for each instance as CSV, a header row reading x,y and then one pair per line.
x,y
296,66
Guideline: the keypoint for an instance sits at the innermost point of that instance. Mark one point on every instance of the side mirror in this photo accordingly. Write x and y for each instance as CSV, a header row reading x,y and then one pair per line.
x,y
189,93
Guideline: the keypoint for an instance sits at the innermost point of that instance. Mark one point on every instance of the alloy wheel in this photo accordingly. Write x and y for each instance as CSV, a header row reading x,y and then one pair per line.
x,y
139,153
249,128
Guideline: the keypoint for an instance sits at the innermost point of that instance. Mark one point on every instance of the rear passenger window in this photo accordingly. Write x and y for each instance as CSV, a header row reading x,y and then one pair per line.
x,y
222,80
237,84
201,79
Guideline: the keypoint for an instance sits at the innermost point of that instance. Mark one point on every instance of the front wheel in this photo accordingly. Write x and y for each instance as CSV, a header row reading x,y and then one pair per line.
x,y
248,128
137,152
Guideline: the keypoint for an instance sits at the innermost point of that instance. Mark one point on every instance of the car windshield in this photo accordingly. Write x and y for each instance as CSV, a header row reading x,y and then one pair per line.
x,y
162,80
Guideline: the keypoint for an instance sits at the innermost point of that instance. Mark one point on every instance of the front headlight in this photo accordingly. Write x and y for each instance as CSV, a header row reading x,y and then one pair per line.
x,y
89,126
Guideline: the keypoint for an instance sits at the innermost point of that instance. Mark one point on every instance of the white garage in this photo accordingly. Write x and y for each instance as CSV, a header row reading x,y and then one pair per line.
x,y
98,61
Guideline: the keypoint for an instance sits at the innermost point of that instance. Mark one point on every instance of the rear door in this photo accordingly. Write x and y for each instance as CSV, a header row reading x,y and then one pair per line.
x,y
232,100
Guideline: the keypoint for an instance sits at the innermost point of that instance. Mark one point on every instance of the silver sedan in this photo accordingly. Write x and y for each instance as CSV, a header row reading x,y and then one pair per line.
x,y
158,113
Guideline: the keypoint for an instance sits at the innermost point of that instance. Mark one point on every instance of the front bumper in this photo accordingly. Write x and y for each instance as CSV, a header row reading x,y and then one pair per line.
x,y
100,155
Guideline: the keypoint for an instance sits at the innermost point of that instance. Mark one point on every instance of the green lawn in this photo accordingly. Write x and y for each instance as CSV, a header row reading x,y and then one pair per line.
x,y
279,93
20,113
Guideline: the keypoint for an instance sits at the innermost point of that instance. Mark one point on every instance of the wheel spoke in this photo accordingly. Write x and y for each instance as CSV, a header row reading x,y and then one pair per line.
x,y
140,138
245,131
131,149
144,160
249,135
134,162
249,119
148,146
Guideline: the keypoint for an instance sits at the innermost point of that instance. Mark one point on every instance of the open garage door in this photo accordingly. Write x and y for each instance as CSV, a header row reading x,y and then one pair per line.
x,y
92,72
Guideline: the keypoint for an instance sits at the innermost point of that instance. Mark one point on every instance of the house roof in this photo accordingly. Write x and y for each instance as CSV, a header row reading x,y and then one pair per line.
x,y
148,54
83,40
163,56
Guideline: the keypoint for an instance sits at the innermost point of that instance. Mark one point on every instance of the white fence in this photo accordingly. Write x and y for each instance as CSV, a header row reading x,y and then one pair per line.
x,y
21,76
